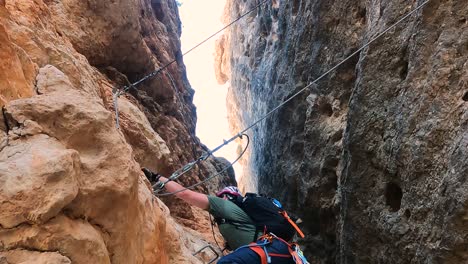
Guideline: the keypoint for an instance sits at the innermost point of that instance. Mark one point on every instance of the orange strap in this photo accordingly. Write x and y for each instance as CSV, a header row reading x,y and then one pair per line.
x,y
285,215
279,255
295,256
260,253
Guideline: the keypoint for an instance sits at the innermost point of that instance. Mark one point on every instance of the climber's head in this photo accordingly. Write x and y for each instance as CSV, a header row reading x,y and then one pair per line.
x,y
229,192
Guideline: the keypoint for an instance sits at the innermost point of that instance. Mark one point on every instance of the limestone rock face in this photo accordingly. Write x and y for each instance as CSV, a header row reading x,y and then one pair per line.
x,y
373,157
29,257
42,164
71,186
77,239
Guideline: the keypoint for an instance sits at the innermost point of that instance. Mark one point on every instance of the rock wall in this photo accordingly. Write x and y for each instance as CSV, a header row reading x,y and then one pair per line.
x,y
71,189
373,157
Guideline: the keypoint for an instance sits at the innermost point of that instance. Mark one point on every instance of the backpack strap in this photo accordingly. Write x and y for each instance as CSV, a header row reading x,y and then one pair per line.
x,y
260,252
265,257
286,216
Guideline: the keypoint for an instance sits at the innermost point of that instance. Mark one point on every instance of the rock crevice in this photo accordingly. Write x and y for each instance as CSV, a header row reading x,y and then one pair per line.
x,y
372,157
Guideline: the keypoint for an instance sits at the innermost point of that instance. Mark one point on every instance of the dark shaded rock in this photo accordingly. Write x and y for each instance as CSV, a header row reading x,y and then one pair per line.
x,y
374,158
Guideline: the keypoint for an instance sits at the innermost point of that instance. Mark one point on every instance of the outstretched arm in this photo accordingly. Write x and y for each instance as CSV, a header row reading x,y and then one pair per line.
x,y
194,198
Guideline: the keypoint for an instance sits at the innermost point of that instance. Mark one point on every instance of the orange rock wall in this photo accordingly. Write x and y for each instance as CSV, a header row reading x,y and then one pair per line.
x,y
71,189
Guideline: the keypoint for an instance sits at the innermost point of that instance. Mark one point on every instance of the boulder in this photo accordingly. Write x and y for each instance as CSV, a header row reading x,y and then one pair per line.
x,y
38,178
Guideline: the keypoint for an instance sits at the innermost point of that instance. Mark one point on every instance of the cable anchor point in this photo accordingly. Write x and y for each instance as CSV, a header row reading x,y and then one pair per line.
x,y
115,97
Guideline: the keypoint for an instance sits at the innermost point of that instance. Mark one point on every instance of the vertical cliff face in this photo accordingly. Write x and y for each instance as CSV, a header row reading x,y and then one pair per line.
x,y
374,156
71,189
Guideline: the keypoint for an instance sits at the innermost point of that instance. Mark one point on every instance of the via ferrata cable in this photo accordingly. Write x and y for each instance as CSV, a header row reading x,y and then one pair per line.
x,y
240,134
160,186
117,91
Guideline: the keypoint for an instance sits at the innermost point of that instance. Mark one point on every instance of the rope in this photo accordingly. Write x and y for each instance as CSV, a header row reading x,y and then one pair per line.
x,y
126,88
207,179
214,236
264,243
303,89
240,134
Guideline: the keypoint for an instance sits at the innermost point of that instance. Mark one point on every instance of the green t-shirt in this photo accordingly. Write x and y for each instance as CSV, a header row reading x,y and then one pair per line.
x,y
236,234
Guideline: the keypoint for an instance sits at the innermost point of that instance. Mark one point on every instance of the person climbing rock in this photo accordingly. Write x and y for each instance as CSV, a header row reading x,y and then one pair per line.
x,y
250,243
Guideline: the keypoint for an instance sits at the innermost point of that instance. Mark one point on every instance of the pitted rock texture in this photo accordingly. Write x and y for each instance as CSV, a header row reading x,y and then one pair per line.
x,y
71,188
42,164
374,157
25,256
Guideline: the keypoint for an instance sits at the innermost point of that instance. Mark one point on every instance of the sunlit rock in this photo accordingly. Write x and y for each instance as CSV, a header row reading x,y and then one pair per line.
x,y
70,180
37,180
18,256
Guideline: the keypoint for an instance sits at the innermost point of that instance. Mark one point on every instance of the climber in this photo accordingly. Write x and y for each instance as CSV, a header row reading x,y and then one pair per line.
x,y
249,243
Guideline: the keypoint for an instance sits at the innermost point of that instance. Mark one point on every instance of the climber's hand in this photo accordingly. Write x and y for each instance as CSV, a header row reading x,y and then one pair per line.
x,y
152,177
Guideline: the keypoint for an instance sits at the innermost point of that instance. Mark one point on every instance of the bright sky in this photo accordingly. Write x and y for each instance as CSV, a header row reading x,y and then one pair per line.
x,y
200,19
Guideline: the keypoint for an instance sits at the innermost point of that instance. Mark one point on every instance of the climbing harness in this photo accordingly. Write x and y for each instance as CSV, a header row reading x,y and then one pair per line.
x,y
189,166
260,248
117,91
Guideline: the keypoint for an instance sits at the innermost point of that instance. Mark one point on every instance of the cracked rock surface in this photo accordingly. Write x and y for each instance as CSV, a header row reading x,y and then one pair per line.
x,y
373,157
71,186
